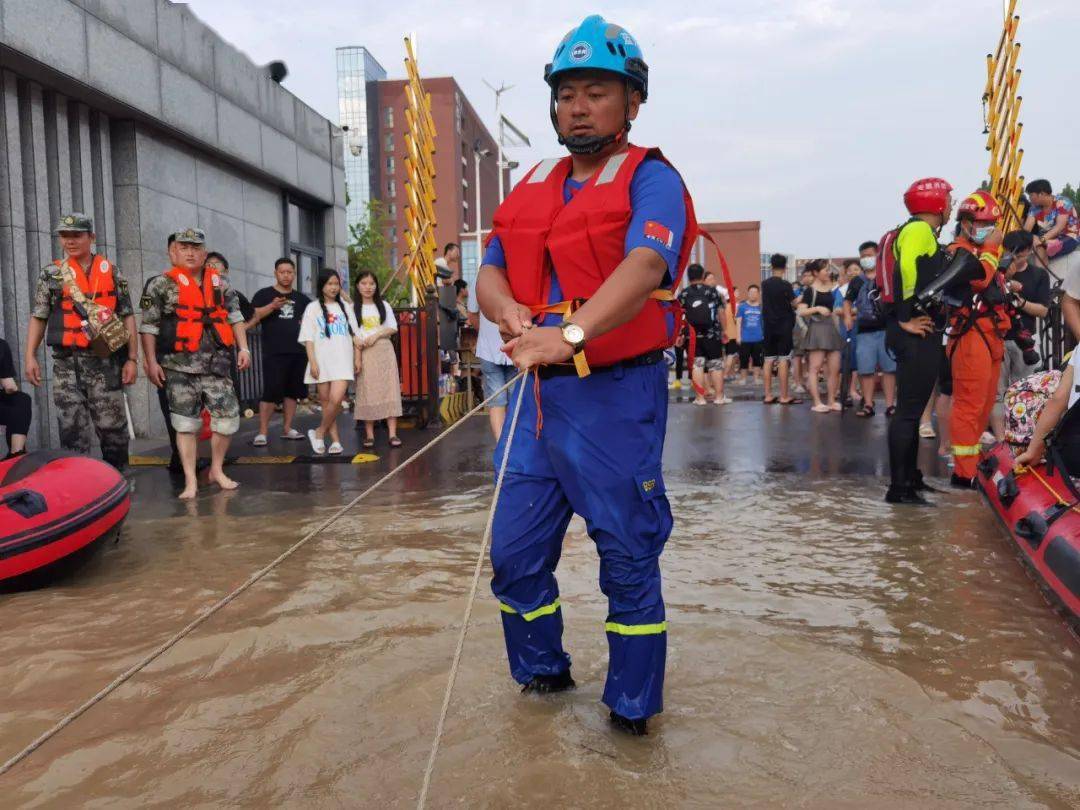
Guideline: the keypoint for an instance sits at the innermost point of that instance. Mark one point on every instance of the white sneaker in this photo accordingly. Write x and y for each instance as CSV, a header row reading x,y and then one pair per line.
x,y
724,401
293,435
318,446
259,440
335,449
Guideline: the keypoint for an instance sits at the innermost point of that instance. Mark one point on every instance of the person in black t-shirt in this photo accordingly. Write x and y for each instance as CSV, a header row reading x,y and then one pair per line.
x,y
279,309
1031,284
778,322
15,405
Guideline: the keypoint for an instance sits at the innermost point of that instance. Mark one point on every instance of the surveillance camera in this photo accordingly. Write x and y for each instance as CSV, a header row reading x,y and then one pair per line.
x,y
344,127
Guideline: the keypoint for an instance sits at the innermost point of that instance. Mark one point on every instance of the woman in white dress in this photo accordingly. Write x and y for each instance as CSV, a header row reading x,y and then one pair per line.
x,y
378,385
330,335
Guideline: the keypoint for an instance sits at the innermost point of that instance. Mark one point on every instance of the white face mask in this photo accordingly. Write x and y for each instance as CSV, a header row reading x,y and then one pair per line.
x,y
868,263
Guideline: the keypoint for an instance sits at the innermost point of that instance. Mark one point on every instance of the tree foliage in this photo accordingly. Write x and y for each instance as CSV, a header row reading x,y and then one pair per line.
x,y
369,250
1073,193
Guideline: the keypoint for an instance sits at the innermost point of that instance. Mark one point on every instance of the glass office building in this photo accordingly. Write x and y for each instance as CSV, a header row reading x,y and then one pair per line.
x,y
357,74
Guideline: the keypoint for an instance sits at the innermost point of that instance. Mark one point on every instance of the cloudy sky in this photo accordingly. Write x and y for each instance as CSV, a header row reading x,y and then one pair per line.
x,y
809,115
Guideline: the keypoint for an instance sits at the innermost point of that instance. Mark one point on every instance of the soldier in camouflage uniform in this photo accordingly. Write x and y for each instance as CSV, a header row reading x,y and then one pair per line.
x,y
87,389
191,320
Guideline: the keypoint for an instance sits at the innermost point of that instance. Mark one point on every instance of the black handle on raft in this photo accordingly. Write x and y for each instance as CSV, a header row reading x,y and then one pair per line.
x,y
25,503
1008,490
1033,528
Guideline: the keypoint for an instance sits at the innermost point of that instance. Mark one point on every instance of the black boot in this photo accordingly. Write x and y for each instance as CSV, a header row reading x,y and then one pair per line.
x,y
959,482
546,684
906,496
635,728
919,484
175,467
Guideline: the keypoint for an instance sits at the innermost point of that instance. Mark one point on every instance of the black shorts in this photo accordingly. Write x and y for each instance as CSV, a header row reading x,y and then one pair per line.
x,y
945,375
752,351
283,377
709,353
778,344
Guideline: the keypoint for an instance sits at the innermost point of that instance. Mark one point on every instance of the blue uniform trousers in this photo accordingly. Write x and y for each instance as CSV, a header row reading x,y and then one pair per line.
x,y
598,454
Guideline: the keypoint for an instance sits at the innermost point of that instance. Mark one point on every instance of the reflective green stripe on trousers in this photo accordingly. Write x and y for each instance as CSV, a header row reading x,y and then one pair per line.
x,y
636,629
543,610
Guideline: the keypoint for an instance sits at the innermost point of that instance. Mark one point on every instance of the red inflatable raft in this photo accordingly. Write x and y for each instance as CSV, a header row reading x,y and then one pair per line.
x,y
1041,510
54,508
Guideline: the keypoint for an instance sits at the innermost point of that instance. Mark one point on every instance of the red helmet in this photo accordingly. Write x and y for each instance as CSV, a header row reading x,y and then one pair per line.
x,y
980,206
928,196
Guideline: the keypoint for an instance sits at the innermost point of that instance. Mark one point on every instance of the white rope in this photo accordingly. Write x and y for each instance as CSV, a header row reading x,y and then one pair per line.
x,y
221,603
469,602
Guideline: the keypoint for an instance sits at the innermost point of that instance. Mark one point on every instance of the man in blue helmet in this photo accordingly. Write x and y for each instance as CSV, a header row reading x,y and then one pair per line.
x,y
578,276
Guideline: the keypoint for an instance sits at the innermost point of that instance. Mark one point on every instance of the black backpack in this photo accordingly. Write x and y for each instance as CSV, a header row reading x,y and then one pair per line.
x,y
698,308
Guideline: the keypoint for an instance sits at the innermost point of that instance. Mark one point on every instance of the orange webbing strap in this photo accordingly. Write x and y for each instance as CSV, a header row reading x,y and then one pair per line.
x,y
1048,486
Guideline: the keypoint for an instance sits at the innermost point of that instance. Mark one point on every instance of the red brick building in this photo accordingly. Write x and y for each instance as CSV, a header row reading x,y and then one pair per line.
x,y
458,131
741,245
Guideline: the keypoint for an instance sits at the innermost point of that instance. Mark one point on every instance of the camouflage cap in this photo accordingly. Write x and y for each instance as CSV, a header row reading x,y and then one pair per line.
x,y
75,222
190,236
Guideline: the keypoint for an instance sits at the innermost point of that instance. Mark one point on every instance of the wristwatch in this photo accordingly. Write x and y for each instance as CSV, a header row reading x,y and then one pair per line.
x,y
574,335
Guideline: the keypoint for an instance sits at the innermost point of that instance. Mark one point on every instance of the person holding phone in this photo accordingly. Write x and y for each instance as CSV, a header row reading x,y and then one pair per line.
x,y
278,310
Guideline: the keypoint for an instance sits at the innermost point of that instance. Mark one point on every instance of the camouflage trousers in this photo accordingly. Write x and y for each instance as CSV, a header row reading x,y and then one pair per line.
x,y
87,392
188,394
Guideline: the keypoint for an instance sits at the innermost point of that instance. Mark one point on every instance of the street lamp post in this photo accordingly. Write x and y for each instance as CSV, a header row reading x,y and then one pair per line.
x,y
478,153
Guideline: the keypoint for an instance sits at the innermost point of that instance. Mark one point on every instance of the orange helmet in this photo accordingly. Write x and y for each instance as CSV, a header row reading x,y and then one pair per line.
x,y
980,206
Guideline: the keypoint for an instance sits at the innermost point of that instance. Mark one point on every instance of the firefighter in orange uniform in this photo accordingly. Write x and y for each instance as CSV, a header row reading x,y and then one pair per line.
x,y
192,322
976,329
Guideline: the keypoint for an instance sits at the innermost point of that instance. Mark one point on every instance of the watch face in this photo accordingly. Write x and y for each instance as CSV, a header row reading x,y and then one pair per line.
x,y
573,333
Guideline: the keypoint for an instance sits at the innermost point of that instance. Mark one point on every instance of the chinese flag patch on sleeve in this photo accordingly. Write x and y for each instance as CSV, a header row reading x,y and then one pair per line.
x,y
657,232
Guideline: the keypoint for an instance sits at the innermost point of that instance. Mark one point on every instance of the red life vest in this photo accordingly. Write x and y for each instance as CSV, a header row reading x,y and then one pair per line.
x,y
992,320
585,240
196,308
97,287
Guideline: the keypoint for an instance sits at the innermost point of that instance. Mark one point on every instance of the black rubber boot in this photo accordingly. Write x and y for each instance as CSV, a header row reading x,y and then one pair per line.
x,y
906,496
547,684
920,485
635,728
959,482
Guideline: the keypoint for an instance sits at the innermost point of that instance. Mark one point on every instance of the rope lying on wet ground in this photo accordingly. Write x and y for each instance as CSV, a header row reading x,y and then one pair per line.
x,y
262,572
469,602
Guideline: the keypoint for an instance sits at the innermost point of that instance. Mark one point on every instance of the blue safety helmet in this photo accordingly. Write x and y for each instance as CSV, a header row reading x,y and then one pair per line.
x,y
597,44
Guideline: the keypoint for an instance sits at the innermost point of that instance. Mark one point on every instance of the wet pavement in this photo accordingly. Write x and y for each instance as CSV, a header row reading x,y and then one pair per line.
x,y
826,650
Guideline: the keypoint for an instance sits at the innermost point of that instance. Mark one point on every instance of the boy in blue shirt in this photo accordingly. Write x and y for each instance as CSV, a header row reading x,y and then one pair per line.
x,y
751,334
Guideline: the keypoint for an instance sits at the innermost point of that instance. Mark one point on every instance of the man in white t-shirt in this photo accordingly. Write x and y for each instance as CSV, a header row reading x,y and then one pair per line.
x,y
496,368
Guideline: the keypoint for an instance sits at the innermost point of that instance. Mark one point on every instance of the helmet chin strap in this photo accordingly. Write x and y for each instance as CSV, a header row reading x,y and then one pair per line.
x,y
590,144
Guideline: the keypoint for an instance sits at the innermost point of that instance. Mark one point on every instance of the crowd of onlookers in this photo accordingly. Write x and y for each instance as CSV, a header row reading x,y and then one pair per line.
x,y
799,338
807,338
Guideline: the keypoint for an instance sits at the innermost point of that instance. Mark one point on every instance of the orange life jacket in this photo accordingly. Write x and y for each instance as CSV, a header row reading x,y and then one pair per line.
x,y
98,287
585,240
992,321
197,308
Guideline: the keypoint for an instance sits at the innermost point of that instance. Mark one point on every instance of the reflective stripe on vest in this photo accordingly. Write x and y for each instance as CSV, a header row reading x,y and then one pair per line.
x,y
99,287
193,311
584,240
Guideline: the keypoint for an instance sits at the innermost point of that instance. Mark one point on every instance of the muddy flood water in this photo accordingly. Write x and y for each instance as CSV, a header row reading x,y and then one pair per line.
x,y
825,650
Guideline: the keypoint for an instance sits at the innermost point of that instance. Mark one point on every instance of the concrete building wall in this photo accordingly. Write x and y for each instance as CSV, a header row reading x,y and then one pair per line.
x,y
137,113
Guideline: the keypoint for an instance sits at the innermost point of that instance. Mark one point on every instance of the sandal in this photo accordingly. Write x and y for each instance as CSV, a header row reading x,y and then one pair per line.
x,y
368,444
771,401
794,401
821,409
395,441
865,411
890,411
